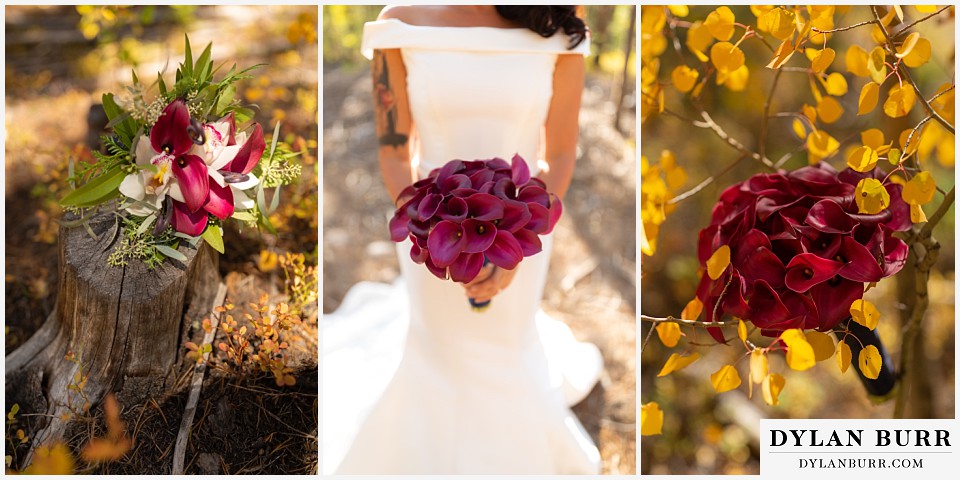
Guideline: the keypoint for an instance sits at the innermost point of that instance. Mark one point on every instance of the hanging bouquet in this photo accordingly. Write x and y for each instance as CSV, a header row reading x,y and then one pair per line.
x,y
468,213
178,166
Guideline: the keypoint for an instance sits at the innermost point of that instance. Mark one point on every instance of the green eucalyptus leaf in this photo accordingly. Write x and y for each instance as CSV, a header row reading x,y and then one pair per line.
x,y
97,190
169,252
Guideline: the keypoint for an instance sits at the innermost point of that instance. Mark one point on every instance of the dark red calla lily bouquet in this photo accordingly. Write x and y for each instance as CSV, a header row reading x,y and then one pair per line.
x,y
800,250
178,166
467,213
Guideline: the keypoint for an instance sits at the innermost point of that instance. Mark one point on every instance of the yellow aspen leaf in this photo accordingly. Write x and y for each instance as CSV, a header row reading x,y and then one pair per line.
x,y
677,362
821,145
735,81
726,56
684,78
873,138
718,262
778,22
698,39
675,177
899,12
799,129
920,189
893,156
809,112
669,333
876,66
822,59
52,460
822,344
863,159
944,103
692,310
772,386
651,419
758,365
907,46
888,18
857,59
759,10
742,330
725,379
844,355
871,196
836,85
926,8
783,53
899,101
919,55
829,110
720,23
679,10
917,215
870,362
815,90
869,96
865,313
800,354
909,145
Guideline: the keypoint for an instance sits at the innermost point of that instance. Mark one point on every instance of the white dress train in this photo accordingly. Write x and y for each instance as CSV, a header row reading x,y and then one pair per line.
x,y
414,381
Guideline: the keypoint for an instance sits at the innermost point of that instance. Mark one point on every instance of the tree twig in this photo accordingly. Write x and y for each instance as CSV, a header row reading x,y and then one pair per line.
x,y
692,323
707,181
723,135
762,143
934,219
909,26
843,29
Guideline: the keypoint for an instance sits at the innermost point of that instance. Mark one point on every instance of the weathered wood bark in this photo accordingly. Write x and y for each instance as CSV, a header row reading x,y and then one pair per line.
x,y
124,324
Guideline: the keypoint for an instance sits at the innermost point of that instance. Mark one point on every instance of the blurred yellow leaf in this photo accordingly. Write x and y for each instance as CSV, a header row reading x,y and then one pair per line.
x,y
725,379
698,39
863,159
718,262
917,215
759,10
822,59
692,310
857,59
899,12
735,81
800,354
822,344
679,10
51,460
926,8
871,196
684,78
873,138
758,365
843,356
920,189
944,102
267,261
783,53
869,96
909,145
829,110
870,362
742,330
651,419
919,54
677,362
772,386
876,65
778,22
799,129
726,56
720,23
669,333
907,46
899,101
821,145
836,85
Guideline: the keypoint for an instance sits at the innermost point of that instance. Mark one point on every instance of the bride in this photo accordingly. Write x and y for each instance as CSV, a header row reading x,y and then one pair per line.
x,y
415,381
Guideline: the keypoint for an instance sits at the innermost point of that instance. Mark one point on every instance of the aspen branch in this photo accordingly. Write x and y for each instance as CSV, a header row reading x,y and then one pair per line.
x,y
911,25
707,181
692,323
844,29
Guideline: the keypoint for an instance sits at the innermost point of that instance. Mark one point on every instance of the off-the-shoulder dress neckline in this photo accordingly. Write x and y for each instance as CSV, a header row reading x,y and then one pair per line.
x,y
468,27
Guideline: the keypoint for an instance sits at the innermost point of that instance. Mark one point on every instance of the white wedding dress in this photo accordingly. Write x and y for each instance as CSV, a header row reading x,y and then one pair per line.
x,y
414,381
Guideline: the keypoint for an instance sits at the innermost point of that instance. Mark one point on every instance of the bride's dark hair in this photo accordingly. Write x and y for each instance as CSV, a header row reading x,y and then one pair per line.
x,y
546,20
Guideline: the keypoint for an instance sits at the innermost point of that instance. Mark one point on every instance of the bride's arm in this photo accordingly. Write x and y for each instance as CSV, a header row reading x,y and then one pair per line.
x,y
562,126
394,124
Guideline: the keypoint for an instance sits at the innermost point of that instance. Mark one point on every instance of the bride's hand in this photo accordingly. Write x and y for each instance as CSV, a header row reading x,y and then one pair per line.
x,y
489,282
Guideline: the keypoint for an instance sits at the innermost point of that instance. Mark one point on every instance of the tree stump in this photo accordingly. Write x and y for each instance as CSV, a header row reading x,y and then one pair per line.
x,y
123,325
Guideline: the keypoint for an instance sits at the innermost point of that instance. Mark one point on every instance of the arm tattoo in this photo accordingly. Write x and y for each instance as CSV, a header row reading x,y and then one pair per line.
x,y
385,103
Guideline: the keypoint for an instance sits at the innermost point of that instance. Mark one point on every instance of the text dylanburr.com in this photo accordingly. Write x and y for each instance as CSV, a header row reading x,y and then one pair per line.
x,y
846,448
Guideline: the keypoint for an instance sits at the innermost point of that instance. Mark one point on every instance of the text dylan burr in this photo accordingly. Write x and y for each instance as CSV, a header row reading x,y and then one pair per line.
x,y
855,438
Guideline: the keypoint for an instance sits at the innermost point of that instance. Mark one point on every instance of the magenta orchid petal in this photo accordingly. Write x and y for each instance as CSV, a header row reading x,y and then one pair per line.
x,y
480,179
187,222
169,135
478,235
194,180
828,216
428,206
529,241
450,168
504,188
807,270
454,209
219,201
859,264
520,172
505,252
833,300
497,164
249,154
515,216
484,206
466,267
534,194
445,243
454,182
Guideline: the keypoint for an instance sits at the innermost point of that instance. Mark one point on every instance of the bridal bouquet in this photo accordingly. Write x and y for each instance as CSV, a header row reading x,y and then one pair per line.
x,y
467,213
793,250
179,165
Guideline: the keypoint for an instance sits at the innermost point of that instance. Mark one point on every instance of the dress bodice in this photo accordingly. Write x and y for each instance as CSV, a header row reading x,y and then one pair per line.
x,y
474,92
